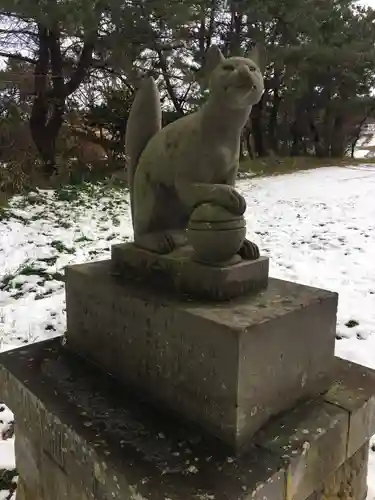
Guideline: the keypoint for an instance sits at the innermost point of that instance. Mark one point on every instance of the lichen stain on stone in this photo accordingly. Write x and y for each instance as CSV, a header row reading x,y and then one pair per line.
x,y
134,494
257,489
205,496
254,411
98,474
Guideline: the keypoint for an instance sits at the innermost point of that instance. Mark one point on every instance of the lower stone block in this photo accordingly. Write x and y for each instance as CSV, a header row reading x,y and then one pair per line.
x,y
349,482
227,366
24,493
81,430
353,390
312,440
28,461
55,480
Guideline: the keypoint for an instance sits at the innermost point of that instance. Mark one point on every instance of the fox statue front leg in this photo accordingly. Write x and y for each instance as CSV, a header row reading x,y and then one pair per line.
x,y
226,196
159,220
193,194
161,242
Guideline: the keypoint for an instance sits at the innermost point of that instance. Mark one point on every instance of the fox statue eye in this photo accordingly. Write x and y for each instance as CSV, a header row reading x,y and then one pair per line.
x,y
252,68
228,67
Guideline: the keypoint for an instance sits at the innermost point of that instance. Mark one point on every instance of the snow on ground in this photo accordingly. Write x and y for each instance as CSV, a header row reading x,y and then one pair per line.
x,y
42,234
317,226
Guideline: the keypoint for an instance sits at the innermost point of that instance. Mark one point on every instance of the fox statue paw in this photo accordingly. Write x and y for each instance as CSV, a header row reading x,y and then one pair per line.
x,y
249,251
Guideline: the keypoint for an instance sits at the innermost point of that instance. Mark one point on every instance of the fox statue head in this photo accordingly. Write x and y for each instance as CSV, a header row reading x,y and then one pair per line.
x,y
237,82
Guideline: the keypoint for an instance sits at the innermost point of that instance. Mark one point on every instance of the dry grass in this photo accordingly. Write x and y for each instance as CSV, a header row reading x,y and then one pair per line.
x,y
274,165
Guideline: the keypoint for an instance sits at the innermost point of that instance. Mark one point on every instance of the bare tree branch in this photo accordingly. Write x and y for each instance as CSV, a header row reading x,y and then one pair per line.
x,y
18,57
14,31
83,65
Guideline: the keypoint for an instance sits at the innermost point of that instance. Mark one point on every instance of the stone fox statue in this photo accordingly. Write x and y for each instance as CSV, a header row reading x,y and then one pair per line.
x,y
193,160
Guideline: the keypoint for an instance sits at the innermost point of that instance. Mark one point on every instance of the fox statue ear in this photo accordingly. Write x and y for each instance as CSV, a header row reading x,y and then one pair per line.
x,y
212,59
258,55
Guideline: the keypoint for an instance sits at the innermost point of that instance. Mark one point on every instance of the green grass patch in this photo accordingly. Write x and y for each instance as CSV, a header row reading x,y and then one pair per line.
x,y
82,239
61,247
7,478
75,192
30,270
50,261
8,282
4,214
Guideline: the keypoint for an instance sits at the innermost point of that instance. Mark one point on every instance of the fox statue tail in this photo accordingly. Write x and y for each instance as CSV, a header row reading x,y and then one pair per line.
x,y
143,123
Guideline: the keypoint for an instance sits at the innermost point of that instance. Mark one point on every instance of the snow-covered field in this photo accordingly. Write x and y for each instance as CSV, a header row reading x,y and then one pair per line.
x,y
317,226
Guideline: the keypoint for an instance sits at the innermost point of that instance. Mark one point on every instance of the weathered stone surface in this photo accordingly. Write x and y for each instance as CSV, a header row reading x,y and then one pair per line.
x,y
23,493
90,439
354,391
176,272
28,461
55,480
312,440
227,366
348,482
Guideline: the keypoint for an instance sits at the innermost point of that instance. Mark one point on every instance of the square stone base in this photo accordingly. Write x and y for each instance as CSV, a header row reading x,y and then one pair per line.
x,y
81,436
227,366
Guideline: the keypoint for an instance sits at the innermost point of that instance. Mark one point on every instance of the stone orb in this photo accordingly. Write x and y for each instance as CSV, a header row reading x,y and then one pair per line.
x,y
215,234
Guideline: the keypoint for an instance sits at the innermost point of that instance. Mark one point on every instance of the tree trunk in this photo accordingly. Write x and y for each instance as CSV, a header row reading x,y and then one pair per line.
x,y
272,123
316,140
40,108
45,124
296,139
249,146
50,99
242,155
258,129
274,113
235,31
337,143
327,125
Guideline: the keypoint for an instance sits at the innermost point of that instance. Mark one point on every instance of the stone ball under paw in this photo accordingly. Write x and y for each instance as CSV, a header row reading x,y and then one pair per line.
x,y
215,233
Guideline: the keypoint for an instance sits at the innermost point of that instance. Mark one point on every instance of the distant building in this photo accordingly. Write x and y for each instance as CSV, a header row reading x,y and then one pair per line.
x,y
369,127
365,147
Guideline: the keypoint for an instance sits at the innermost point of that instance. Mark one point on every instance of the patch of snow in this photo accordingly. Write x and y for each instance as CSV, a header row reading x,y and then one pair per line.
x,y
318,228
4,495
7,459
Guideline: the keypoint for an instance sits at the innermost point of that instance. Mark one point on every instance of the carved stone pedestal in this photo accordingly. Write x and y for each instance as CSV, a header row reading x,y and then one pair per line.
x,y
81,436
157,395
